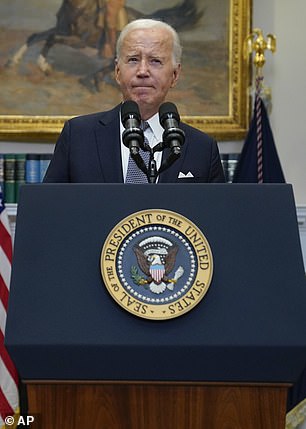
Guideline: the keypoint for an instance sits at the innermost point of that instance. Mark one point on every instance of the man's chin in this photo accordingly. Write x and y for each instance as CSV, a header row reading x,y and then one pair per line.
x,y
148,104
143,97
144,101
147,107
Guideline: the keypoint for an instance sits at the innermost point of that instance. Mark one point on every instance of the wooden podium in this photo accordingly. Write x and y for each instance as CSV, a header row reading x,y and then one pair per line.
x,y
157,405
87,362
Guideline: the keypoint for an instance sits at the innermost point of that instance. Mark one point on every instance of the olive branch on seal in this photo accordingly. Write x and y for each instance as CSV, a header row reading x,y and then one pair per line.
x,y
137,279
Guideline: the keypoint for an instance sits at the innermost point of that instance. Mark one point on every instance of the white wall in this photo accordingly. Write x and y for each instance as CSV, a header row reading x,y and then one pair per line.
x,y
285,73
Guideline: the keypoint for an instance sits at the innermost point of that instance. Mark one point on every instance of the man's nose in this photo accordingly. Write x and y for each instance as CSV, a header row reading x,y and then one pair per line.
x,y
143,68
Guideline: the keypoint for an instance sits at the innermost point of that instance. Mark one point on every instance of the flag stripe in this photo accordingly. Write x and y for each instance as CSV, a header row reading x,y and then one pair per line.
x,y
2,317
9,387
6,244
6,360
5,408
5,270
10,392
4,220
4,293
9,398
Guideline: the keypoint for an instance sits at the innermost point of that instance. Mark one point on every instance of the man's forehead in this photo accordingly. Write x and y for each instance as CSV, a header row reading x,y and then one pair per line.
x,y
148,38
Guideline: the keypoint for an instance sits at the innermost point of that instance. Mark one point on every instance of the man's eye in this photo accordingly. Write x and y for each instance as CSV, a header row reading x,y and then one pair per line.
x,y
156,61
132,60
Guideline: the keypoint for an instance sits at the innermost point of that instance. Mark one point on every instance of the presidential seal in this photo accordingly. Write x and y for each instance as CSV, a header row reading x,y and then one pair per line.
x,y
156,264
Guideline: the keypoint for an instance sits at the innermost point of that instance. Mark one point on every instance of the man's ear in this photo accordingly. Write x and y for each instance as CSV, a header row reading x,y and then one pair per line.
x,y
117,70
176,75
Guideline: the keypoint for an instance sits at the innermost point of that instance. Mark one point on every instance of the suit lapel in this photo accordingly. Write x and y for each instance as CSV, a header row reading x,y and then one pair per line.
x,y
109,147
171,174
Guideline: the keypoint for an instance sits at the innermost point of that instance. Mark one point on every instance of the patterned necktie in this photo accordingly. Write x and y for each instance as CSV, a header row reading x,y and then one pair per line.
x,y
134,174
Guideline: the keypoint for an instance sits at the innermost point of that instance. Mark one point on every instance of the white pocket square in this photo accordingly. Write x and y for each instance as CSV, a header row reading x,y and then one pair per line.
x,y
183,175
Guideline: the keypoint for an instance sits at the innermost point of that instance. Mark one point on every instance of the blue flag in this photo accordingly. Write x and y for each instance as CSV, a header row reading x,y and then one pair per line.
x,y
259,157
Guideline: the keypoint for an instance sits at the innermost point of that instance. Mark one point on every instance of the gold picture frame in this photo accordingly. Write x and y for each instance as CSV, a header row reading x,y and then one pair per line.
x,y
230,122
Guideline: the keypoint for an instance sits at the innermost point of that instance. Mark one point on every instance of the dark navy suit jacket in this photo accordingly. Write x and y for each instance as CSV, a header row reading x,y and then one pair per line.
x,y
88,151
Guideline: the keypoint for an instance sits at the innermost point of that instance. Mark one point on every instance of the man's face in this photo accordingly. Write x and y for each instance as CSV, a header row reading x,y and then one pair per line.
x,y
145,70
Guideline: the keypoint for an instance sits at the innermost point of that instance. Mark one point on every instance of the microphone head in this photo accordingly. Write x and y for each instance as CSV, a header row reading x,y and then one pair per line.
x,y
168,111
130,109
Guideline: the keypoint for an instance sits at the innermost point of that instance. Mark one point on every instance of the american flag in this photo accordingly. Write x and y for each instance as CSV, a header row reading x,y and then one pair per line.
x,y
9,398
259,161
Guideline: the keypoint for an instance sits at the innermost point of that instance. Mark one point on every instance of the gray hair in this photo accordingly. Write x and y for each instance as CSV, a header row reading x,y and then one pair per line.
x,y
143,24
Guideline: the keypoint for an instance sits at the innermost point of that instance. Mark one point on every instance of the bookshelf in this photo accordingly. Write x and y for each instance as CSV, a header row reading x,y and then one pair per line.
x,y
17,169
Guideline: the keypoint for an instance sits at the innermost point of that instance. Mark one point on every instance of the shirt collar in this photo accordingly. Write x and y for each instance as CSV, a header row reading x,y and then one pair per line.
x,y
156,127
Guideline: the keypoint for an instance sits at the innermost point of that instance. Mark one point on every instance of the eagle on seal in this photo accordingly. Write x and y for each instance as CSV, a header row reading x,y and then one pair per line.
x,y
157,263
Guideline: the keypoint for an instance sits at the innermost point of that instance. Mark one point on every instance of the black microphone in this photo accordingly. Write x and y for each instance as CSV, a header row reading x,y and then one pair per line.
x,y
132,136
173,136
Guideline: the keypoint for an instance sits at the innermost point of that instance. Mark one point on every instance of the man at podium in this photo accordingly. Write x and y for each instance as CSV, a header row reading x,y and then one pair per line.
x,y
149,143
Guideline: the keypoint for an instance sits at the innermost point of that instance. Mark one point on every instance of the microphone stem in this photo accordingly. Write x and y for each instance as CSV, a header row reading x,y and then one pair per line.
x,y
152,169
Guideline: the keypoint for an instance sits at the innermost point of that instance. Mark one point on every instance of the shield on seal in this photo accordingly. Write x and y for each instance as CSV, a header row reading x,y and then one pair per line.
x,y
157,272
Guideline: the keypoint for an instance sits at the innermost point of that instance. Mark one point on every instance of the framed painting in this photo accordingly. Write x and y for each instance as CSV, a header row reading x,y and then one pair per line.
x,y
57,61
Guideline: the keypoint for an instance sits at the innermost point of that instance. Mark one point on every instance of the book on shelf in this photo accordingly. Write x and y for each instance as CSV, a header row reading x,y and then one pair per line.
x,y
17,169
19,173
32,170
9,178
